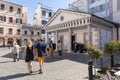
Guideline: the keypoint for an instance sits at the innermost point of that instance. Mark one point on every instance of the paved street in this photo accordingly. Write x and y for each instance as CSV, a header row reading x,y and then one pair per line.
x,y
70,67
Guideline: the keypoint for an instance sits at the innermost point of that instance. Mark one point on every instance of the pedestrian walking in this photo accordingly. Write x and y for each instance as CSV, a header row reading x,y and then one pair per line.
x,y
28,51
59,48
16,50
41,51
48,48
51,49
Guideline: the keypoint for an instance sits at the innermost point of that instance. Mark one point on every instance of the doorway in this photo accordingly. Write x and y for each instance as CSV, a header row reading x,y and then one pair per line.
x,y
72,42
19,41
61,38
10,41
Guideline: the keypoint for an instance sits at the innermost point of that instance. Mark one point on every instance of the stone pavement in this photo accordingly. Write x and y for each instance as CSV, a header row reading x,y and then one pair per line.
x,y
69,67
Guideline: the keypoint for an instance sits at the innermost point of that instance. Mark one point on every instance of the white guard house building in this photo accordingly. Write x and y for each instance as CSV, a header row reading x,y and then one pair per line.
x,y
69,26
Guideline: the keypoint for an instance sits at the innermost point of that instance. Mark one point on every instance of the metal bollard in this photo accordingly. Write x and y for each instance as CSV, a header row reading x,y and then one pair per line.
x,y
90,63
112,61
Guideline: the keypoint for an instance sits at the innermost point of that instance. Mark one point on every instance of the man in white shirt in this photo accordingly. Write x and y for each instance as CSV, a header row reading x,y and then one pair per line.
x,y
59,48
16,50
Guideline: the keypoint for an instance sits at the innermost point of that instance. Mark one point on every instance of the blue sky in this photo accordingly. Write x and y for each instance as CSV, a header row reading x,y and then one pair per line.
x,y
32,4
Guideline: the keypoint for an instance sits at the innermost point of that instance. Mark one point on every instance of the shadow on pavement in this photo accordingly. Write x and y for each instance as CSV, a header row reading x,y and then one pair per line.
x,y
13,76
70,56
6,61
9,55
86,77
81,58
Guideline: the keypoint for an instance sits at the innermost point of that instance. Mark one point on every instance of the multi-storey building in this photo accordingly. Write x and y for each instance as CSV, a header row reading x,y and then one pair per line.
x,y
79,5
30,33
107,9
24,15
41,17
10,23
101,8
116,11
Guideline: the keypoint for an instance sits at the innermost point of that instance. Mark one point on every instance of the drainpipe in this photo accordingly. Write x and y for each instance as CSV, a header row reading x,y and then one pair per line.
x,y
117,26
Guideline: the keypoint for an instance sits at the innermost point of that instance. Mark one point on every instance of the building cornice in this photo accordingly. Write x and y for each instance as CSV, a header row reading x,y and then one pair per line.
x,y
70,24
10,3
65,11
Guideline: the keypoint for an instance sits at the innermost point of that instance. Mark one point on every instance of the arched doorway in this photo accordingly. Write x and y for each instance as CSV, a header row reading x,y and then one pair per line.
x,y
10,42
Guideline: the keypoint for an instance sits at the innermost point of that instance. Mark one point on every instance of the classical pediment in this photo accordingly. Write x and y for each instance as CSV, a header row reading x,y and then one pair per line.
x,y
63,16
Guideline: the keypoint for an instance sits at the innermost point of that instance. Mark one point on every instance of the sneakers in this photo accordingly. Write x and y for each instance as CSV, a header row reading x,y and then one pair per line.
x,y
31,72
40,72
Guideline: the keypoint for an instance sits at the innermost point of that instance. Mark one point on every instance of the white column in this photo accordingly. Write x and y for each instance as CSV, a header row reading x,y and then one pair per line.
x,y
69,40
114,33
46,37
56,38
99,39
89,35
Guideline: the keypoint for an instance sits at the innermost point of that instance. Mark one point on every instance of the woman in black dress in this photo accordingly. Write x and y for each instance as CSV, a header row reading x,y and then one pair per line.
x,y
28,51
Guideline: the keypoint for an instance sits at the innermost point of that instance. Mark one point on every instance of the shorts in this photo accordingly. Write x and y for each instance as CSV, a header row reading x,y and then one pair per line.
x,y
40,59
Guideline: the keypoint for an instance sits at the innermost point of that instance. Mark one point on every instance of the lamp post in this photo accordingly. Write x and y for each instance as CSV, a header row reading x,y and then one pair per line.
x,y
90,63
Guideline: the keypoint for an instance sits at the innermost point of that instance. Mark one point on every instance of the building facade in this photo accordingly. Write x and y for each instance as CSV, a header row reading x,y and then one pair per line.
x,y
116,11
79,5
41,17
24,15
101,8
69,27
10,23
32,33
107,9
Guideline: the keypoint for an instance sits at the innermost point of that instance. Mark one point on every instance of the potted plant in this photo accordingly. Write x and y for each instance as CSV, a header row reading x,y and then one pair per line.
x,y
103,70
110,49
94,54
96,77
118,46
